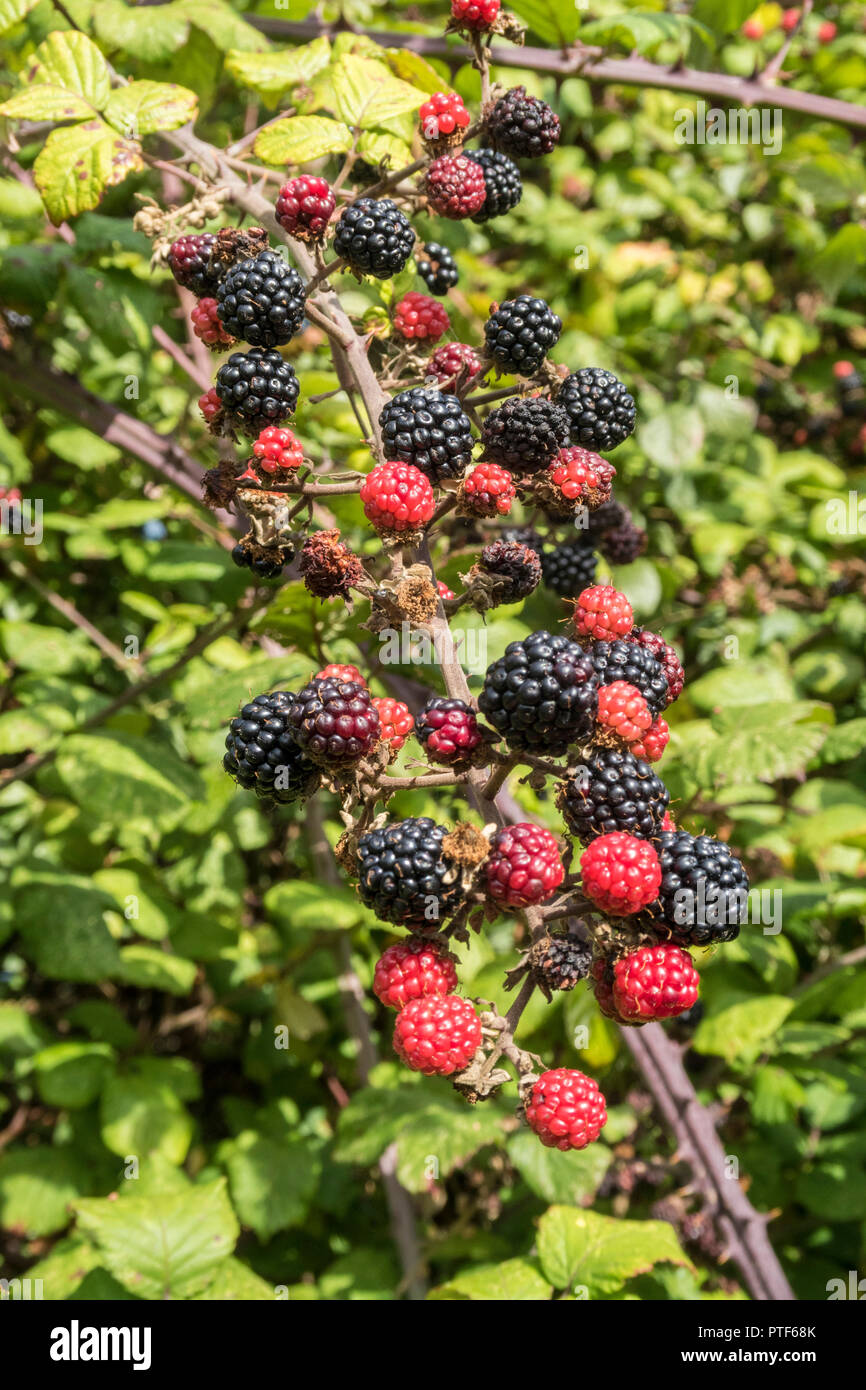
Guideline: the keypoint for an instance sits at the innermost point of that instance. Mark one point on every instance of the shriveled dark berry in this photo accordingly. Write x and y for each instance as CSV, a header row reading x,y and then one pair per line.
x,y
516,568
524,435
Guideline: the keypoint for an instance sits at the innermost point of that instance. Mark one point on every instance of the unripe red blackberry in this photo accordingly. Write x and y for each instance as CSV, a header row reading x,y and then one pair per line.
x,y
620,873
278,450
395,721
623,714
542,694
206,325
413,969
601,411
421,319
190,262
522,125
503,186
404,876
374,237
443,591
443,117
577,478
210,406
487,490
566,1109
262,300
455,186
257,389
654,982
447,729
613,790
625,660
329,568
334,722
429,429
524,867
516,568
523,435
653,743
437,1036
453,362
603,613
304,207
569,568
262,753
519,334
437,267
341,672
397,497
477,15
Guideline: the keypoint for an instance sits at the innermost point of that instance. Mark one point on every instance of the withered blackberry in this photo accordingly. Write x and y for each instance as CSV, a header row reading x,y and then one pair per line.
x,y
523,435
328,566
561,961
516,568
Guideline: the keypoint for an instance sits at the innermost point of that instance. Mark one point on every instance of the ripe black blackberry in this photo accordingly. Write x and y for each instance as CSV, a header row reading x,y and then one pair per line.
x,y
374,237
625,660
612,790
606,517
267,565
190,262
335,722
437,268
520,333
522,125
516,568
502,181
429,429
542,694
404,876
262,300
570,568
524,435
262,754
624,543
560,961
703,896
257,389
601,411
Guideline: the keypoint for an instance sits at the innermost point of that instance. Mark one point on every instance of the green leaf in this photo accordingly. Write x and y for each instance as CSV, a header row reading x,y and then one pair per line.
x,y
139,33
584,1249
46,103
512,1281
147,967
61,921
78,163
13,11
61,1272
570,1178
363,1275
766,741
300,139
296,903
48,650
841,259
144,107
271,1182
71,1074
20,1033
674,438
555,21
215,699
21,729
235,1282
368,94
643,32
739,1032
71,60
140,1116
119,777
843,742
412,68
36,1188
725,686
723,16
166,1246
273,74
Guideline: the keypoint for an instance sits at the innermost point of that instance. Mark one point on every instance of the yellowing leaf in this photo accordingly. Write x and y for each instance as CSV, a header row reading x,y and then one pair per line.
x,y
145,106
76,165
368,94
13,11
47,103
72,61
298,139
273,74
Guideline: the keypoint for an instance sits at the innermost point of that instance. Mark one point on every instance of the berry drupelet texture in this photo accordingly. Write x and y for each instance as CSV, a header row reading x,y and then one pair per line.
x,y
654,982
413,969
620,873
542,694
503,185
454,362
566,1109
278,450
335,722
577,478
447,728
487,491
524,435
515,567
602,613
613,790
262,300
601,411
623,717
703,893
624,660
418,318
520,332
437,1036
443,117
395,721
522,125
569,568
304,207
191,264
257,389
437,267
429,429
664,653
524,866
455,186
404,876
263,755
477,15
397,497
559,962
374,237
